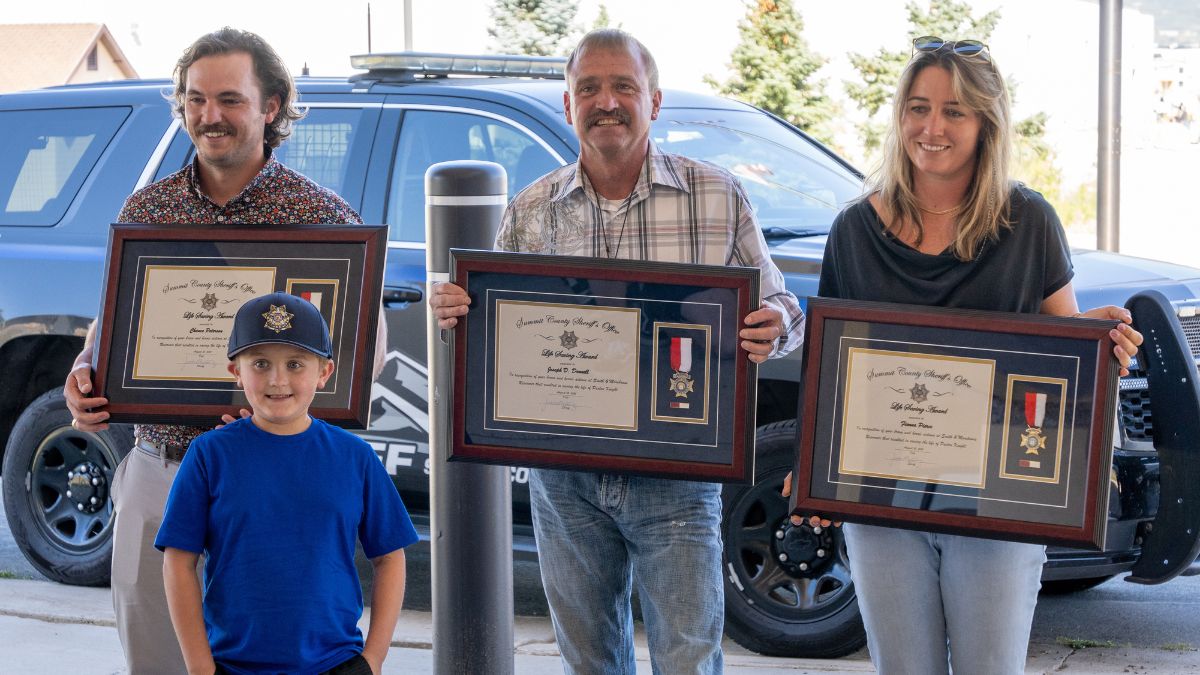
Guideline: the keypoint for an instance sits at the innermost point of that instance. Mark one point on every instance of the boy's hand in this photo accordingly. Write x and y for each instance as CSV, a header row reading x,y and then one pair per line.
x,y
229,419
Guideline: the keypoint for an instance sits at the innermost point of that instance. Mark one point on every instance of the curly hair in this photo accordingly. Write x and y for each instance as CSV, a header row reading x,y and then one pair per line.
x,y
270,70
978,85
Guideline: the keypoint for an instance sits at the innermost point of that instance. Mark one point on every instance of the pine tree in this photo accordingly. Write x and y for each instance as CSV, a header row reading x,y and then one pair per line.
x,y
879,74
1034,160
534,27
603,20
773,68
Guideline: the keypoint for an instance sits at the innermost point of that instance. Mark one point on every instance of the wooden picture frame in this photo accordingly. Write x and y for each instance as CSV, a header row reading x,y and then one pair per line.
x,y
984,424
604,365
171,292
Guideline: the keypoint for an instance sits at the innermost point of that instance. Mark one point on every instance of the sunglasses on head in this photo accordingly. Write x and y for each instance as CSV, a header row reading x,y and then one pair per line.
x,y
930,43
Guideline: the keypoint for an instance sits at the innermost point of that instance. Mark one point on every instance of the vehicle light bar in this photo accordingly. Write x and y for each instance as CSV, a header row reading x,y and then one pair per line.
x,y
427,63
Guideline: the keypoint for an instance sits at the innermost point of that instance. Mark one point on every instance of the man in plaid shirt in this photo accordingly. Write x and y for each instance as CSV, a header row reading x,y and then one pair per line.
x,y
598,533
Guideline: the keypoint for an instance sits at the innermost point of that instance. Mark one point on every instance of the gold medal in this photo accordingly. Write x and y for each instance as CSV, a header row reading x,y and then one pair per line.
x,y
682,384
1033,440
1035,411
681,363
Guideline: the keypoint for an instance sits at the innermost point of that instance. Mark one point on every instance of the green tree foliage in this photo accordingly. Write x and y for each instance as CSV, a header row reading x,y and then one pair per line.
x,y
534,27
1034,161
878,74
603,20
773,68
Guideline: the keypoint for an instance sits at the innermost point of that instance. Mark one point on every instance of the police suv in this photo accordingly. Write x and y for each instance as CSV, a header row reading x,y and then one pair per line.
x,y
70,155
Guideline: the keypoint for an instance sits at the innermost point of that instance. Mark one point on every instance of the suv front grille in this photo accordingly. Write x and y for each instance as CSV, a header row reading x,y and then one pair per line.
x,y
1191,331
1137,418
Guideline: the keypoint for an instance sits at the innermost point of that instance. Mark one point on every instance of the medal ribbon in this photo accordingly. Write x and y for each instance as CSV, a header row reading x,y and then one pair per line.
x,y
681,354
1035,409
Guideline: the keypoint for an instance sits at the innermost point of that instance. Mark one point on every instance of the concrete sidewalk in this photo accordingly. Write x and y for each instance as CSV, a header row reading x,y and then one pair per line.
x,y
50,628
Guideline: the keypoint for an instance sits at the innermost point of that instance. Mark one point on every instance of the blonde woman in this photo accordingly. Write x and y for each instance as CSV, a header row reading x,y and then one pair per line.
x,y
943,224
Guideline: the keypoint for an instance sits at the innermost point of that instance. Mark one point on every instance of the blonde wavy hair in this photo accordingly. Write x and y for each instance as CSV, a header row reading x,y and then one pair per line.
x,y
978,86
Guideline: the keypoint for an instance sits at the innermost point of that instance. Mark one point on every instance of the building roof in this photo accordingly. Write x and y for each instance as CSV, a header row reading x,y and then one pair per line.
x,y
45,54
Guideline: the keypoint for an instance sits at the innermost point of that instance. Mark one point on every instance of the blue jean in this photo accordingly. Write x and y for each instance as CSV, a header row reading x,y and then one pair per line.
x,y
597,534
936,602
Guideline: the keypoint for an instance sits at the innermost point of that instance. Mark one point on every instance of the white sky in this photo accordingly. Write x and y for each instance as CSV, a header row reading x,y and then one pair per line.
x,y
1048,47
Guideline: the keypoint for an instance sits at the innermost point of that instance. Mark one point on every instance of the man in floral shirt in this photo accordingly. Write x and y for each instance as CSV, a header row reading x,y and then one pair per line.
x,y
237,102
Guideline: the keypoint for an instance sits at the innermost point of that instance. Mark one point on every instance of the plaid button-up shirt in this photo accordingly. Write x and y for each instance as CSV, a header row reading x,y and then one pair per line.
x,y
680,210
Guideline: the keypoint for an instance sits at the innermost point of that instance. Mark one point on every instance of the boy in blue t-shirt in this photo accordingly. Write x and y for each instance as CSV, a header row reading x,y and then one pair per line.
x,y
276,502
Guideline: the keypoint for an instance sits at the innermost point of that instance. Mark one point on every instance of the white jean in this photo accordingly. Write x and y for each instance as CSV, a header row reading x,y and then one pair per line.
x,y
139,493
936,603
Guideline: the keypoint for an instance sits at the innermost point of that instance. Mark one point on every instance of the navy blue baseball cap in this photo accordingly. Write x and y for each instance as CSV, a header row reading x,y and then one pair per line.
x,y
280,318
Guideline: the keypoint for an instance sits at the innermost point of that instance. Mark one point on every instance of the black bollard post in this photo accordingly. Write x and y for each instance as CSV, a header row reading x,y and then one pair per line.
x,y
471,504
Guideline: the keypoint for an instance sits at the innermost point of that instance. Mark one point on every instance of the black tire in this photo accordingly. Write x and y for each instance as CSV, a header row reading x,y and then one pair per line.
x,y
1068,586
64,542
769,609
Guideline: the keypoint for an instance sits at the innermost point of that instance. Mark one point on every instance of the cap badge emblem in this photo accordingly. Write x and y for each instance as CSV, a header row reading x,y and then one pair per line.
x,y
278,318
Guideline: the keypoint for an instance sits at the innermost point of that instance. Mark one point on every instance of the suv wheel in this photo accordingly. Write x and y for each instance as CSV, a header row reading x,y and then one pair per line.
x,y
791,595
56,491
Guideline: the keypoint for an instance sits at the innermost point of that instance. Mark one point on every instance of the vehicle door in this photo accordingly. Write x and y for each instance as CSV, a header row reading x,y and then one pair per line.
x,y
432,130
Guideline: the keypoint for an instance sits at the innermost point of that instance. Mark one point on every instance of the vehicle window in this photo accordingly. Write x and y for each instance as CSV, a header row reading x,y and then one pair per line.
x,y
45,155
791,182
320,144
428,137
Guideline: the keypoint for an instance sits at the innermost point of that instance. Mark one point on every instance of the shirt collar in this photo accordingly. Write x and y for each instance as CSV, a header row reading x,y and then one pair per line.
x,y
658,169
268,171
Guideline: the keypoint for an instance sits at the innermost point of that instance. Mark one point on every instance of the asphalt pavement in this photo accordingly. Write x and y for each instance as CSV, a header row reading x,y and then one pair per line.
x,y
50,628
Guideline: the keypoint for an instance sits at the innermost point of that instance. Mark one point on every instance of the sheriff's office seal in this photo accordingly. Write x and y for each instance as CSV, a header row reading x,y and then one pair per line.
x,y
919,392
568,339
278,318
209,301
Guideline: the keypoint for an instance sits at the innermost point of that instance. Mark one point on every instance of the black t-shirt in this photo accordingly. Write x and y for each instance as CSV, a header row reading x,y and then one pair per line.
x,y
1029,262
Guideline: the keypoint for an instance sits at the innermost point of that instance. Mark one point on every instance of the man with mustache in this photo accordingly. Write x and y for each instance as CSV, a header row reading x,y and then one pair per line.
x,y
597,534
237,102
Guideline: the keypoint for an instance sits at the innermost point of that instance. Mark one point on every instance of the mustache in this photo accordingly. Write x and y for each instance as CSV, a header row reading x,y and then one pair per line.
x,y
616,114
219,128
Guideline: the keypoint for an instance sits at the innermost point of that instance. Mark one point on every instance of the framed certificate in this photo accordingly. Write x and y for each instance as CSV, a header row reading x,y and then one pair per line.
x,y
984,424
171,292
604,365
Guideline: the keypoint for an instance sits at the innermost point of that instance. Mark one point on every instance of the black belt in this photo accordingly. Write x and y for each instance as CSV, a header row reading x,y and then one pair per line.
x,y
171,453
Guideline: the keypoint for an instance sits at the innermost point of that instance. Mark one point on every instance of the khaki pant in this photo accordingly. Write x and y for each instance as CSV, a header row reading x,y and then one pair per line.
x,y
139,493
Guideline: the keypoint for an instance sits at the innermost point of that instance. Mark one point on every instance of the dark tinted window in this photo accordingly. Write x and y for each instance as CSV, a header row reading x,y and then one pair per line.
x,y
790,181
45,155
428,137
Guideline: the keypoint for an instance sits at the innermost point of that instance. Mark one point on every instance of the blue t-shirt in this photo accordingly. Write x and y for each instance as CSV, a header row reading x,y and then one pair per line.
x,y
278,517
